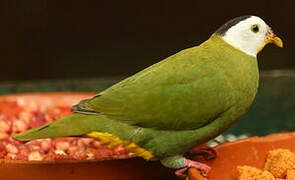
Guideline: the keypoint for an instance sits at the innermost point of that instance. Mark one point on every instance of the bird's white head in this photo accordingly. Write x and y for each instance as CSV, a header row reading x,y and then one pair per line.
x,y
249,34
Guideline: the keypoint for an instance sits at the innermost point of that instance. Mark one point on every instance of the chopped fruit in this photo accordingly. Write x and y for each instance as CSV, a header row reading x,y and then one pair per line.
x,y
251,173
18,116
279,161
280,165
11,149
35,156
291,174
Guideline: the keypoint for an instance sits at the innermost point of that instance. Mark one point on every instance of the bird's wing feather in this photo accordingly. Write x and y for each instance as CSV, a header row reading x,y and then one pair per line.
x,y
184,91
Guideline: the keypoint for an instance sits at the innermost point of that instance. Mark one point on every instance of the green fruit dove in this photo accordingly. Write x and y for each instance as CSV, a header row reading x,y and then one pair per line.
x,y
182,101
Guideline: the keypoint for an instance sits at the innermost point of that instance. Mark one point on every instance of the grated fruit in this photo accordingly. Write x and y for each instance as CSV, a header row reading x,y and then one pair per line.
x,y
18,116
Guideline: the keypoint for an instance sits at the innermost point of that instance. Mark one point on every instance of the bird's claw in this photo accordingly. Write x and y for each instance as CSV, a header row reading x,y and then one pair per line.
x,y
181,172
206,152
203,168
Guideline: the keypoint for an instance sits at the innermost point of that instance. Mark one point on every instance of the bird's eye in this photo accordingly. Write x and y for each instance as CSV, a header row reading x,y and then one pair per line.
x,y
255,28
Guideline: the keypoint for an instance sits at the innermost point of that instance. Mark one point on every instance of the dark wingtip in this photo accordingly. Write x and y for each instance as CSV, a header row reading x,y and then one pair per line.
x,y
83,108
222,30
75,108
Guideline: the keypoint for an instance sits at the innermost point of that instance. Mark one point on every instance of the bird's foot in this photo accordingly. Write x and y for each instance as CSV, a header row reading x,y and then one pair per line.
x,y
203,168
182,164
205,151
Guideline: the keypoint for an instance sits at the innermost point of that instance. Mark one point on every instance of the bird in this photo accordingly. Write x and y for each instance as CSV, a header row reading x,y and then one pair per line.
x,y
180,102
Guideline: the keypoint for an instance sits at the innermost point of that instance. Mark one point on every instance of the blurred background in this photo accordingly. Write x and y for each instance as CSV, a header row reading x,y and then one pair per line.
x,y
53,45
52,39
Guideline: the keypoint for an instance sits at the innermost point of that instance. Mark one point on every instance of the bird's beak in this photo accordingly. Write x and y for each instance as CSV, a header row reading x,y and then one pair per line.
x,y
271,38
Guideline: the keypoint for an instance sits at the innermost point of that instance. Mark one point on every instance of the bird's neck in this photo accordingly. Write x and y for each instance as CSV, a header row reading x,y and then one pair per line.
x,y
247,47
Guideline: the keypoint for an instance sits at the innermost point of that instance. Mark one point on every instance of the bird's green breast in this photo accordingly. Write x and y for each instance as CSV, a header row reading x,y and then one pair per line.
x,y
240,69
235,89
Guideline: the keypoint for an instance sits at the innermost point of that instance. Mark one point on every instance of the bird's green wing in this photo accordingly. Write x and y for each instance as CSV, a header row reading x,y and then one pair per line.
x,y
184,91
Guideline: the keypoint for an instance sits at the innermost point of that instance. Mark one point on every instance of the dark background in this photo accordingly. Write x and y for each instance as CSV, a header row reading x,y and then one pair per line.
x,y
56,39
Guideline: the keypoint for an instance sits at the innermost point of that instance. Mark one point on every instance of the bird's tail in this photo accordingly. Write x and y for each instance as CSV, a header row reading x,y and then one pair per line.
x,y
96,126
71,125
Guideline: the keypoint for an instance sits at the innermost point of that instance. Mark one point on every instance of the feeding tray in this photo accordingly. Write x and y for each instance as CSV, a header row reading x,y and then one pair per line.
x,y
15,166
250,151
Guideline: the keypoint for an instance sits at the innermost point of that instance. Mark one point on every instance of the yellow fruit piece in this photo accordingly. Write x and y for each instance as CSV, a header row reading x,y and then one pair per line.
x,y
291,174
251,173
279,161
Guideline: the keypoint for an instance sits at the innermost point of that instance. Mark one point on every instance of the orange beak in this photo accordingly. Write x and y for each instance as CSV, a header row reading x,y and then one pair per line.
x,y
271,38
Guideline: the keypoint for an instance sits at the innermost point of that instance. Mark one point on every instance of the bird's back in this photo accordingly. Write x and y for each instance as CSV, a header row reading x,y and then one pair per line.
x,y
184,91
